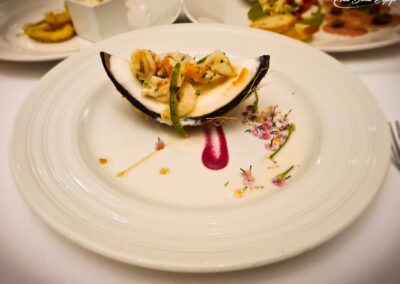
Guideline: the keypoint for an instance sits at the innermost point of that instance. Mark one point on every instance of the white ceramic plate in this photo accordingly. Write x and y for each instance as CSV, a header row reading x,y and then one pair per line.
x,y
14,14
189,220
234,12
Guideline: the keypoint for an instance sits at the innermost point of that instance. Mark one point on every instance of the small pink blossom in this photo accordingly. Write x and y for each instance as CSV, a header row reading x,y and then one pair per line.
x,y
159,144
278,181
248,178
265,135
269,125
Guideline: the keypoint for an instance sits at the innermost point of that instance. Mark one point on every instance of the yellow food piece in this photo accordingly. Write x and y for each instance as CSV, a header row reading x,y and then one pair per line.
x,y
103,161
57,20
164,171
44,32
238,193
165,115
281,23
302,31
56,27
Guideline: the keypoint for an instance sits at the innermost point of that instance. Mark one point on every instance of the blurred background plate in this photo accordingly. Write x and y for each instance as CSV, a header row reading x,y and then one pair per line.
x,y
14,14
235,12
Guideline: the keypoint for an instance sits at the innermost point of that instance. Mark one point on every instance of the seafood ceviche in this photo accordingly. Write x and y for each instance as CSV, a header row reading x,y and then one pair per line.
x,y
181,90
55,27
299,19
155,73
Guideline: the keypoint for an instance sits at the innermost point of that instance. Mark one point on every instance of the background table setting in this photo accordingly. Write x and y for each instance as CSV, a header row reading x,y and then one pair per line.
x,y
44,241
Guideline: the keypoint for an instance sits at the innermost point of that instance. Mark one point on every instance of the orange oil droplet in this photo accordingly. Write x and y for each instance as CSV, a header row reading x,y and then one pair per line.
x,y
164,171
103,161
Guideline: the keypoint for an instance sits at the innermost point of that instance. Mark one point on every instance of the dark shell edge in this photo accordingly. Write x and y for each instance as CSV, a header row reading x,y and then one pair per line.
x,y
259,75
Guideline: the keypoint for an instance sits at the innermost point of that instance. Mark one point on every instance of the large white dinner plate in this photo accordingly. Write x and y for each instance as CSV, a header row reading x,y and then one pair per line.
x,y
190,220
234,12
14,14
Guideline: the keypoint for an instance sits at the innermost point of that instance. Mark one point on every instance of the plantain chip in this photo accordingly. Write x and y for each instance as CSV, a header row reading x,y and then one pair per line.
x,y
44,32
279,23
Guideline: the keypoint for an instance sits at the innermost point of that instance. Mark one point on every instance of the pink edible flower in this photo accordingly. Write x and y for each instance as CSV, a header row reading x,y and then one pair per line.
x,y
278,181
159,144
267,124
265,135
248,178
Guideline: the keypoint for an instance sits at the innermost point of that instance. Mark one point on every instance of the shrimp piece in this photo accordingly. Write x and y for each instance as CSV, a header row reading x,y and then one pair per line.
x,y
199,74
165,68
157,88
187,99
170,60
216,63
220,64
144,63
176,57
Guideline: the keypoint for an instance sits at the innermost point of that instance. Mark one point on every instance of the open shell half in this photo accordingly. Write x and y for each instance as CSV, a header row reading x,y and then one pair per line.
x,y
212,103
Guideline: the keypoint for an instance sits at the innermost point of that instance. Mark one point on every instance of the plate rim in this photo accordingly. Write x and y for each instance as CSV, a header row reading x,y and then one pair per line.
x,y
171,266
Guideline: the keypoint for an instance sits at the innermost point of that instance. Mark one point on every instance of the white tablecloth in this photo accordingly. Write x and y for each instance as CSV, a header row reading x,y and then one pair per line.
x,y
368,252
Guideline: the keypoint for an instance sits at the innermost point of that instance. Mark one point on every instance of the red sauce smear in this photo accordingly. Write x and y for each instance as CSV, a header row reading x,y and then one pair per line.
x,y
215,158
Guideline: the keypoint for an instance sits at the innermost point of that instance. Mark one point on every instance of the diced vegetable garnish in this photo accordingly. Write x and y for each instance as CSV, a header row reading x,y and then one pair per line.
x,y
255,12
